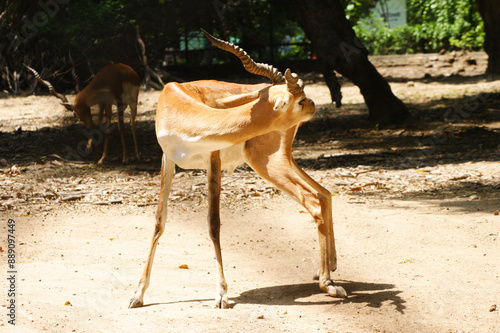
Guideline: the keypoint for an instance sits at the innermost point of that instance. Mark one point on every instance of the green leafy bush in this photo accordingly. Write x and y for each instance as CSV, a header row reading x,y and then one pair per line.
x,y
432,25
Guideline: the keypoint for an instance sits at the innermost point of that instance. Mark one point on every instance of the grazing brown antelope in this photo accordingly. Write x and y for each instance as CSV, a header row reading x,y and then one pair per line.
x,y
114,84
217,125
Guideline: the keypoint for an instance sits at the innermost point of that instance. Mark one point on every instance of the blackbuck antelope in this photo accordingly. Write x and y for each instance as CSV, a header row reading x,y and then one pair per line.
x,y
114,84
217,125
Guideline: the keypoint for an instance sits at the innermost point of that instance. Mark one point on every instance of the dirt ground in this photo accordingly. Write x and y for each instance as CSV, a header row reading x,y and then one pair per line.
x,y
415,215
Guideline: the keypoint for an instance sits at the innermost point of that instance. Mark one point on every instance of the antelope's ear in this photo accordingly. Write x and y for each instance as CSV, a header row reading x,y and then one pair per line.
x,y
282,103
236,100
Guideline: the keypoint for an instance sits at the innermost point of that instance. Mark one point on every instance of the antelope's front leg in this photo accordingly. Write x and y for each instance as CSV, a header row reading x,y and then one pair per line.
x,y
214,188
328,255
90,126
107,110
320,207
278,167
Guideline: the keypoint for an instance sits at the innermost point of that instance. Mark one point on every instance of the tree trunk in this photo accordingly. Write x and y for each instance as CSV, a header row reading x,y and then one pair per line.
x,y
333,84
490,11
336,44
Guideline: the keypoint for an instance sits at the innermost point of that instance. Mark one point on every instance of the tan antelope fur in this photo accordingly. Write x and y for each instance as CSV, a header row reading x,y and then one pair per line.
x,y
114,84
217,125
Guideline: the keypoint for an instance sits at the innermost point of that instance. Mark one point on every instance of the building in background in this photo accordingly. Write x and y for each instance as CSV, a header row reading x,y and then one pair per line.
x,y
392,11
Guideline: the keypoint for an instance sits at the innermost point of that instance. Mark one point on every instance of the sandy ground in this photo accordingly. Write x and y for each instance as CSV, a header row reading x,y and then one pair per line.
x,y
417,233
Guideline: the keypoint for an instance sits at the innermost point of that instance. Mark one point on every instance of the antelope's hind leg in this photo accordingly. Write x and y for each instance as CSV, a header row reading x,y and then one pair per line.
x,y
133,115
167,174
121,129
214,188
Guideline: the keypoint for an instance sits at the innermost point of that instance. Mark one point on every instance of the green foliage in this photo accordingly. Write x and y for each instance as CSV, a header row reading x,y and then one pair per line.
x,y
432,25
378,38
256,24
298,49
357,9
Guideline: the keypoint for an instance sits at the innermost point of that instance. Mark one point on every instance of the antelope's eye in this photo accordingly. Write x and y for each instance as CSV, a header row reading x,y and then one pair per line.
x,y
301,102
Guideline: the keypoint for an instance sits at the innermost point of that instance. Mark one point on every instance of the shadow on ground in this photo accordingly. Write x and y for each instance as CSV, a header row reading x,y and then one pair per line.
x,y
68,144
443,132
370,294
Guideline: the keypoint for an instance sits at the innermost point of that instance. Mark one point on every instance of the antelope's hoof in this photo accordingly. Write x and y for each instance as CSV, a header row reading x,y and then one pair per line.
x,y
336,291
129,160
221,302
134,303
134,158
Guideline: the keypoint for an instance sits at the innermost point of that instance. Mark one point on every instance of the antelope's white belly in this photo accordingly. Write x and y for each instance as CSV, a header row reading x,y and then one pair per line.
x,y
194,152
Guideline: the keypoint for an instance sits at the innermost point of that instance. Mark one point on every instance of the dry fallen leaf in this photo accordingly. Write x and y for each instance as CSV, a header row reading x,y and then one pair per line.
x,y
302,212
496,213
183,266
460,177
406,261
493,308
356,189
68,303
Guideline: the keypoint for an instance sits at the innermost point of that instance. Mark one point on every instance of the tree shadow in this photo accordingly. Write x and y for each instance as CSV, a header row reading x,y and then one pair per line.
x,y
68,144
454,78
396,152
446,131
468,196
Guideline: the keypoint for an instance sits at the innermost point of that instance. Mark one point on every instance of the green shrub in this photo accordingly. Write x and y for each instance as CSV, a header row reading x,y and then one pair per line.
x,y
432,25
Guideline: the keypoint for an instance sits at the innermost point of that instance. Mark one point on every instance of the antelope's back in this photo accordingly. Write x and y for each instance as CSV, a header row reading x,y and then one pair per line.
x,y
187,119
208,91
113,77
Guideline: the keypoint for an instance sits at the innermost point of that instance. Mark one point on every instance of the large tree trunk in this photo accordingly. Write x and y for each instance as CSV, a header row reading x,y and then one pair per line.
x,y
336,44
490,11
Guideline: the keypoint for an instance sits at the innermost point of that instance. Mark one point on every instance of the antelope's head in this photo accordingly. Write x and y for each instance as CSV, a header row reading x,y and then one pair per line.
x,y
79,109
290,98
287,91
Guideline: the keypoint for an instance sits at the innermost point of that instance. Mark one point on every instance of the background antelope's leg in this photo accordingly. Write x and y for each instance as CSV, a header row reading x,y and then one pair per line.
x,y
107,110
99,128
121,110
270,156
167,174
214,188
133,114
101,113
